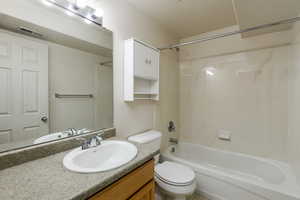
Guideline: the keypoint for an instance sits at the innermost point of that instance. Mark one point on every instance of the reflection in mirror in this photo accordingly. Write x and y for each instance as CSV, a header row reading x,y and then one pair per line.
x,y
52,85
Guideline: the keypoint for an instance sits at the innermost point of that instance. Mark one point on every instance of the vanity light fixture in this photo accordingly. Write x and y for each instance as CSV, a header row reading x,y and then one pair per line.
x,y
71,14
98,13
80,8
82,3
88,21
73,7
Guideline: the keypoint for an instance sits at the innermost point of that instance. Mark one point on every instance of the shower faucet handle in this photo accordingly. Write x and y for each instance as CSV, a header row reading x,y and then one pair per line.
x,y
171,126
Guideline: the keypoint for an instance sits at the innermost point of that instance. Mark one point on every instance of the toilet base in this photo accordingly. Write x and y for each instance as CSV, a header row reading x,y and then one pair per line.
x,y
160,194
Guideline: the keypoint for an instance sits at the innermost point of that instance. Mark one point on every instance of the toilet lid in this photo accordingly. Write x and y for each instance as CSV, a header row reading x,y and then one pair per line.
x,y
174,173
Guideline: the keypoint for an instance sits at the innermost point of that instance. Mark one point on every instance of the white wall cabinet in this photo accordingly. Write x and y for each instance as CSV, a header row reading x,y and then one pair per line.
x,y
141,71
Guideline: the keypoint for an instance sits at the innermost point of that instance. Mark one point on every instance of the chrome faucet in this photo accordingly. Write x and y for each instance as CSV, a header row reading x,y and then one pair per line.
x,y
71,131
83,130
171,127
91,142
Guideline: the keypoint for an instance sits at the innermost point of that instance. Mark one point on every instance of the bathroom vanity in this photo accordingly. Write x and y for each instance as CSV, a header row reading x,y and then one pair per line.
x,y
47,178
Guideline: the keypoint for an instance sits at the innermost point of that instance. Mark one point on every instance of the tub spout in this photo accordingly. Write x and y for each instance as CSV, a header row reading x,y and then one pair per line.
x,y
173,140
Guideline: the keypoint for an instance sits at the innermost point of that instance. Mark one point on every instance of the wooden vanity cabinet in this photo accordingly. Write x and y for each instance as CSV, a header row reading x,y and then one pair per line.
x,y
146,193
137,185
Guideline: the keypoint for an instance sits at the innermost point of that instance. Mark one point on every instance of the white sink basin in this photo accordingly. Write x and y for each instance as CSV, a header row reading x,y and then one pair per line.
x,y
107,156
50,137
57,136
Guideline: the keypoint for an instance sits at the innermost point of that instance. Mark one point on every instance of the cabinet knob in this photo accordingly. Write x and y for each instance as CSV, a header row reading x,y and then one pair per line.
x,y
148,61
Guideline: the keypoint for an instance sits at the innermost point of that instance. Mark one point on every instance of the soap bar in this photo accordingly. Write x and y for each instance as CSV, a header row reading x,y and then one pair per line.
x,y
224,135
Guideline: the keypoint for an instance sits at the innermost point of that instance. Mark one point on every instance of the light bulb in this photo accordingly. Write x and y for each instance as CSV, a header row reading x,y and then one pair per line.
x,y
73,7
98,12
82,3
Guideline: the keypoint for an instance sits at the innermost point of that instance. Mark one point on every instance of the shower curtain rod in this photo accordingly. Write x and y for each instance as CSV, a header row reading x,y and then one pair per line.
x,y
212,37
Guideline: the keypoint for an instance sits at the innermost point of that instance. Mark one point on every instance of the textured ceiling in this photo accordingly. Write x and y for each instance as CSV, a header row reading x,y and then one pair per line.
x,y
192,17
188,17
257,12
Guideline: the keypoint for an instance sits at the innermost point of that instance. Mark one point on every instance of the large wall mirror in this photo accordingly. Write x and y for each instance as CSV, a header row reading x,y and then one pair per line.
x,y
53,85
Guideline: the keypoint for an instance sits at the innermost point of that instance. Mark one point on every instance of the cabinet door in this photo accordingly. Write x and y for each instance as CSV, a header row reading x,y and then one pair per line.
x,y
146,193
128,185
142,61
153,62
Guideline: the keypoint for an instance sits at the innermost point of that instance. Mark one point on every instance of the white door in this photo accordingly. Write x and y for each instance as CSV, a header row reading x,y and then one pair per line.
x,y
23,88
6,91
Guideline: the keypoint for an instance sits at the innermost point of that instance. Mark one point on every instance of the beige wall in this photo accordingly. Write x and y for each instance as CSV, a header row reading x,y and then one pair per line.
x,y
72,71
247,96
255,94
126,22
167,109
294,99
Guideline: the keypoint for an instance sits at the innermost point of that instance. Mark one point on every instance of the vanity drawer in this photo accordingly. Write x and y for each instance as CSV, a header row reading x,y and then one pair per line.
x,y
146,193
128,185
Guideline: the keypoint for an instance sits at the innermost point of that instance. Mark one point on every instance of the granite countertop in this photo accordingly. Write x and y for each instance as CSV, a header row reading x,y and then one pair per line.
x,y
47,179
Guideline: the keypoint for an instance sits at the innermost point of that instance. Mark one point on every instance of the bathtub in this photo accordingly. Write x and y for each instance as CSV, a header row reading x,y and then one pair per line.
x,y
223,175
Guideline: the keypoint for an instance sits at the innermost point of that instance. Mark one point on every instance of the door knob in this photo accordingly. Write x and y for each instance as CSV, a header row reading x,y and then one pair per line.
x,y
44,119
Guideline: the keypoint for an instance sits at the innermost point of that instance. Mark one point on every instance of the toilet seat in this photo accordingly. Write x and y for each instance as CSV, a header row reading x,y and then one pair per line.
x,y
172,183
174,174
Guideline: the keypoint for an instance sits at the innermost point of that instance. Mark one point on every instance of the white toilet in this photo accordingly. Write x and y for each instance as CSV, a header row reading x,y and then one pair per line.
x,y
174,181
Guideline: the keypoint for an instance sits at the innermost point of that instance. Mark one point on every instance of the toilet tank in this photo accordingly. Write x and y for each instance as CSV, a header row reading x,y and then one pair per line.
x,y
151,136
